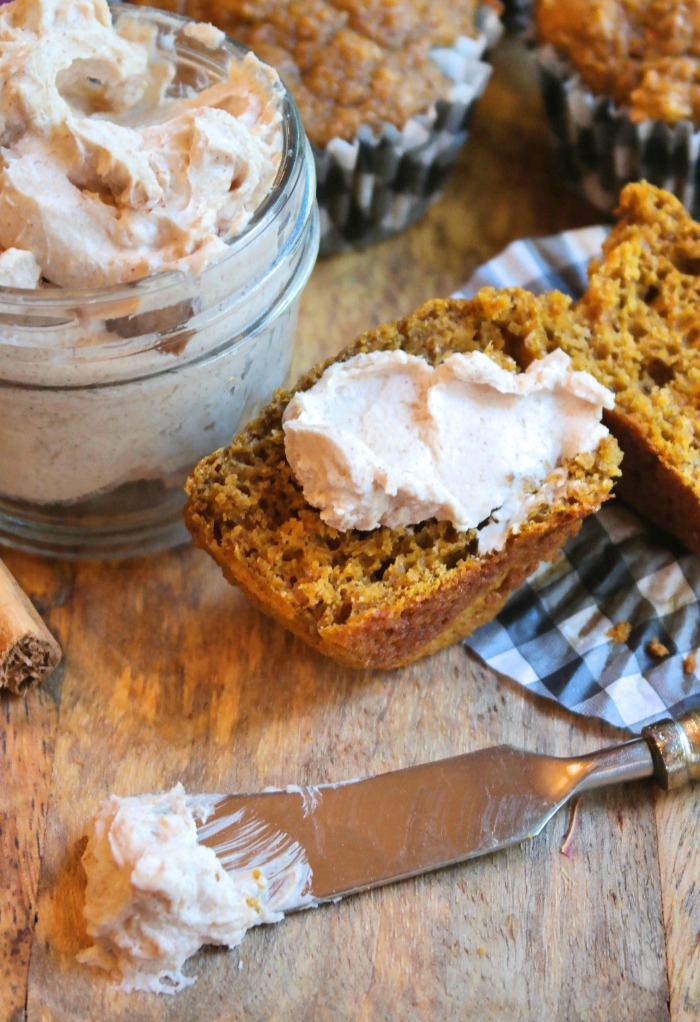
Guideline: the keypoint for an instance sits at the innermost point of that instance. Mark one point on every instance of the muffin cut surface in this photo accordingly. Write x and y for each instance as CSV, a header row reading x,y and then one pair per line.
x,y
641,311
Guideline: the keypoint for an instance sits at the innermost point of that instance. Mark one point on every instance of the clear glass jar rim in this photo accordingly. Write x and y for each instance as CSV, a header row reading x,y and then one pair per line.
x,y
14,301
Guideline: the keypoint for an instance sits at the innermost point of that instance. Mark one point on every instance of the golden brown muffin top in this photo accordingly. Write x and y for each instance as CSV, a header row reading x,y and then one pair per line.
x,y
347,63
644,54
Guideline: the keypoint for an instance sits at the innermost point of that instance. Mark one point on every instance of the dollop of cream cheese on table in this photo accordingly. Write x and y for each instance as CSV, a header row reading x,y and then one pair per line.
x,y
106,178
386,439
155,895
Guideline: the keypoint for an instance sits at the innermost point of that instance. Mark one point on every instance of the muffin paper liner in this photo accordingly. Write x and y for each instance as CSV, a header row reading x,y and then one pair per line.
x,y
599,149
518,16
552,636
380,183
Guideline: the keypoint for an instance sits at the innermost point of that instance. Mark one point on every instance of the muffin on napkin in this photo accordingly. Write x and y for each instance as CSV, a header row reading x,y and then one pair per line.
x,y
385,90
392,590
621,88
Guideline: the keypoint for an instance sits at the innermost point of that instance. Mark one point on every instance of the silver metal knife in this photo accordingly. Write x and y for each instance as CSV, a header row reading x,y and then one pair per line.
x,y
318,844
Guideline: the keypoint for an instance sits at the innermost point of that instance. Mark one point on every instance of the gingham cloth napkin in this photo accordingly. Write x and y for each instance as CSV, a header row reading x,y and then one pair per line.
x,y
553,635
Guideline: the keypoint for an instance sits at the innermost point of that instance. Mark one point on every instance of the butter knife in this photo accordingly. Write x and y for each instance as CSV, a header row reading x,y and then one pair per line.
x,y
318,844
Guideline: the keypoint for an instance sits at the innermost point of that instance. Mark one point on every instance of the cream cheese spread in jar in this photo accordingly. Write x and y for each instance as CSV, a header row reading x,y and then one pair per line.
x,y
157,225
386,439
106,177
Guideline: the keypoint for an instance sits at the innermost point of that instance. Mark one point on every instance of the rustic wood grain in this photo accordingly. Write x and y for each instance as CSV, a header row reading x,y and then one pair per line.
x,y
506,935
169,674
679,859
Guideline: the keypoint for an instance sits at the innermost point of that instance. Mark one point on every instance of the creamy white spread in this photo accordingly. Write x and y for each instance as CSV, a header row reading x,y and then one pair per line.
x,y
155,895
105,177
19,268
386,439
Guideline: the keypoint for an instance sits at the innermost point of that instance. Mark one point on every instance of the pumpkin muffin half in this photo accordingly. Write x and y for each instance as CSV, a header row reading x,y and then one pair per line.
x,y
641,311
385,595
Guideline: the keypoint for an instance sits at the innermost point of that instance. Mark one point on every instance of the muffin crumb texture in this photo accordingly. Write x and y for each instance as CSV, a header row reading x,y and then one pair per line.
x,y
620,632
656,648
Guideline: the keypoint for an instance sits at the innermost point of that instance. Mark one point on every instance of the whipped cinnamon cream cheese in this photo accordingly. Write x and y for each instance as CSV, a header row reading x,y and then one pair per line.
x,y
386,439
154,895
158,221
107,173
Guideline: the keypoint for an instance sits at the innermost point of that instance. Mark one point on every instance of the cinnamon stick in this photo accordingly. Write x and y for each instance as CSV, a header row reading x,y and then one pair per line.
x,y
28,650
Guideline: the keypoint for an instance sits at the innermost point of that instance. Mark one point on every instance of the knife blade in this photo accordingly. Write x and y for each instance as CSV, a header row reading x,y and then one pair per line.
x,y
320,843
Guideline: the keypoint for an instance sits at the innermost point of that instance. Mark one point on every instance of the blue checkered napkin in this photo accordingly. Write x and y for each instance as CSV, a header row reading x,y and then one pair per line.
x,y
553,635
541,264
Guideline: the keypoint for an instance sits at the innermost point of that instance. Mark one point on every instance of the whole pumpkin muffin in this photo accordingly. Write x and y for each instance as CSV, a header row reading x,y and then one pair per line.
x,y
385,88
621,86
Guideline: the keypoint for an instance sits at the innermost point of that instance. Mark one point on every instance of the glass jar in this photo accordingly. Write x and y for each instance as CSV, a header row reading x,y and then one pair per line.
x,y
109,396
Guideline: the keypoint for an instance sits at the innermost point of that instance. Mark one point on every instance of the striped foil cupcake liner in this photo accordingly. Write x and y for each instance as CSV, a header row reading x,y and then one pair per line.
x,y
518,16
599,149
382,182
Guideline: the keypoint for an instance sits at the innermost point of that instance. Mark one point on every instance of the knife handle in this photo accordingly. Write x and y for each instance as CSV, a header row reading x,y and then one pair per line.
x,y
675,749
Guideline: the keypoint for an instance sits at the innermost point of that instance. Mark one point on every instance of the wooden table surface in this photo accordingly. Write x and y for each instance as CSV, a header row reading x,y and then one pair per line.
x,y
169,674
